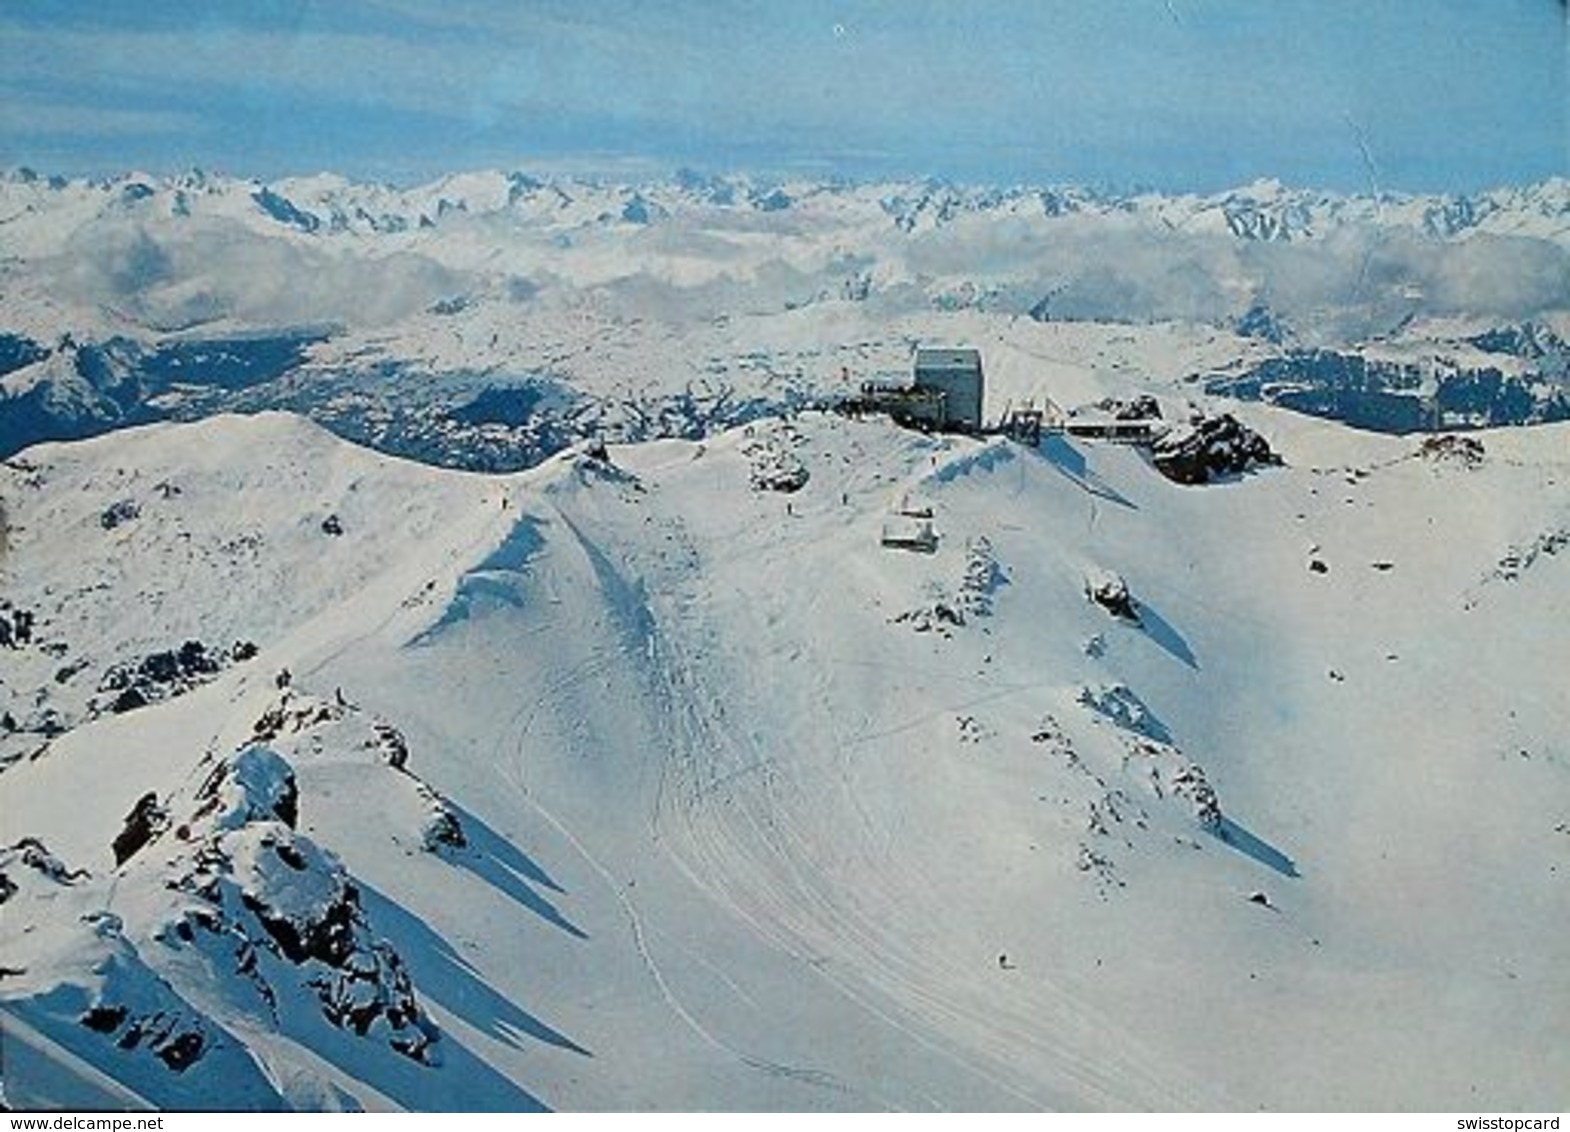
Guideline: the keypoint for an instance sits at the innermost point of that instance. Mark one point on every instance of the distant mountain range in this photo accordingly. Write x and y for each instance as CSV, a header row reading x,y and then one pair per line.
x,y
327,204
673,307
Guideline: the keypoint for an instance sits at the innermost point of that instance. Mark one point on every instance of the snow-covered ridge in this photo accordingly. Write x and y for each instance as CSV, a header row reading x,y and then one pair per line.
x,y
328,205
653,778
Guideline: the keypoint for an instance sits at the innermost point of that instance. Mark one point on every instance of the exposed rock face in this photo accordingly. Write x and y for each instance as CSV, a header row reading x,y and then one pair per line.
x,y
1464,451
1210,448
1110,591
146,820
1189,782
285,910
1120,706
173,1036
774,465
219,896
16,625
1140,408
294,713
442,831
118,513
30,856
1148,741
124,1002
169,673
935,616
943,611
984,575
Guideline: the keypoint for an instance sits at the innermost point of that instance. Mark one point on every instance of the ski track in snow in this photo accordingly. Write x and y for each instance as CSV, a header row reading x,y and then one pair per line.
x,y
510,756
754,861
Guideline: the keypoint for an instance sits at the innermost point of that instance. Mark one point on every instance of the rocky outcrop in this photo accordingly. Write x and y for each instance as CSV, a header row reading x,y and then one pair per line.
x,y
983,576
146,821
119,512
1108,590
772,461
165,674
1139,408
1461,451
284,910
943,611
442,831
16,625
31,857
226,898
175,1037
1119,705
1211,448
1189,782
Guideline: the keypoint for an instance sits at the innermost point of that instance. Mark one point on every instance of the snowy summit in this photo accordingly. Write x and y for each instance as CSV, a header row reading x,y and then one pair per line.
x,y
535,642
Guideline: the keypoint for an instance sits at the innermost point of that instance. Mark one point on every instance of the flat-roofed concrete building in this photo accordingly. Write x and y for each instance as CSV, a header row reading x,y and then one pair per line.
x,y
956,374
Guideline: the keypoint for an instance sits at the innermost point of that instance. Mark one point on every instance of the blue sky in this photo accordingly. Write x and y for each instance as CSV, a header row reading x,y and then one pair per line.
x,y
1445,95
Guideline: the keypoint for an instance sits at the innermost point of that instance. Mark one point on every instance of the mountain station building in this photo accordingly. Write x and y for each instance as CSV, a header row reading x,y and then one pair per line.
x,y
956,375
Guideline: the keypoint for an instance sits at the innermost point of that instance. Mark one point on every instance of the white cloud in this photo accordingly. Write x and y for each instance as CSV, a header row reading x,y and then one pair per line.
x,y
210,271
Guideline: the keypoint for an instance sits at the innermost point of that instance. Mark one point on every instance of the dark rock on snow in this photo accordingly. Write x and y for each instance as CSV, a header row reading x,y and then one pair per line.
x,y
1210,448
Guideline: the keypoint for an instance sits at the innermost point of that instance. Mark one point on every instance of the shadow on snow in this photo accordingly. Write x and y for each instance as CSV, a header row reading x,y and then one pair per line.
x,y
1230,833
1070,461
443,976
1165,636
509,870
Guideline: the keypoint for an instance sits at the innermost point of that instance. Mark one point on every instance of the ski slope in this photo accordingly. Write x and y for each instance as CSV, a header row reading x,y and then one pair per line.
x,y
759,814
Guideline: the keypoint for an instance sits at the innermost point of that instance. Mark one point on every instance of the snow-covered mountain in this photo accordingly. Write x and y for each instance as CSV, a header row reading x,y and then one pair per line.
x,y
334,780
329,205
172,254
452,656
662,307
